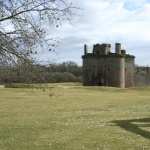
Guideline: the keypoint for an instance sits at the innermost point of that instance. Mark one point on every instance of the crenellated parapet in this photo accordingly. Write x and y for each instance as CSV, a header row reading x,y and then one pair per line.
x,y
105,50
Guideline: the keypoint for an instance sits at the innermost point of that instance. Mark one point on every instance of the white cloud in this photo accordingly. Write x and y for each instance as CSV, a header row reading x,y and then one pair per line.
x,y
125,21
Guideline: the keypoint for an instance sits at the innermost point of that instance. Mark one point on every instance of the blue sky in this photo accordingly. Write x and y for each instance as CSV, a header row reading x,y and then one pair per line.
x,y
104,21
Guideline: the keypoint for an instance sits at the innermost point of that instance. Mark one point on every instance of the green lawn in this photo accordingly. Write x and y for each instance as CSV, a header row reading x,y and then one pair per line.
x,y
72,117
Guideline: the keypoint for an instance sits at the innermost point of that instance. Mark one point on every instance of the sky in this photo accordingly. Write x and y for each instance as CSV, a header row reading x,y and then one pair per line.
x,y
104,21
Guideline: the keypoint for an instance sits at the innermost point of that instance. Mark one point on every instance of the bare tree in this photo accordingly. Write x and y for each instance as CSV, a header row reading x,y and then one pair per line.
x,y
22,25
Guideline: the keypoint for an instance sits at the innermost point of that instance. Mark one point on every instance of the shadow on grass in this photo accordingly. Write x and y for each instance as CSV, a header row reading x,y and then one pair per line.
x,y
135,126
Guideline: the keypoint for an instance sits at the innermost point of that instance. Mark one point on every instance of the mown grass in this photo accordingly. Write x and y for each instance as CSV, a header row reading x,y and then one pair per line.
x,y
73,117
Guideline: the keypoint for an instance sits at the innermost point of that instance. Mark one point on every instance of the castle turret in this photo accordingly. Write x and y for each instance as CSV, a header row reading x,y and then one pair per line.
x,y
117,71
121,73
118,48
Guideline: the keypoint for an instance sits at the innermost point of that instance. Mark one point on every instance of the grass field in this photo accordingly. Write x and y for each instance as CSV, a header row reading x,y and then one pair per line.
x,y
72,117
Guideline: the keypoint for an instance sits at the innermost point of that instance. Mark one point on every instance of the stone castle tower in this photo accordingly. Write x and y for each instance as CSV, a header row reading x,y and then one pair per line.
x,y
104,68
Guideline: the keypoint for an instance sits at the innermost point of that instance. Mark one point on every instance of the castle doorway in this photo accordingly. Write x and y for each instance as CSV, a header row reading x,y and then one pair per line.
x,y
101,80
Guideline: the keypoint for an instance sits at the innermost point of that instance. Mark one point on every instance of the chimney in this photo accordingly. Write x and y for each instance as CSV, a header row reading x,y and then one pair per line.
x,y
118,48
85,49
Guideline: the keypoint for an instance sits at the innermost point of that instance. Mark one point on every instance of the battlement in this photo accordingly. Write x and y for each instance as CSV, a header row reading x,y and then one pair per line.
x,y
104,50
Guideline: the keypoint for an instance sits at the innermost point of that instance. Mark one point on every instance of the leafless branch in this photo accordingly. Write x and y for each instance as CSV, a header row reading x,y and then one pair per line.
x,y
25,19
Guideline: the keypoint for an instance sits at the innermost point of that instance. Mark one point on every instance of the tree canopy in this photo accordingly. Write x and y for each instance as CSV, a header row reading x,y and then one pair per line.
x,y
22,25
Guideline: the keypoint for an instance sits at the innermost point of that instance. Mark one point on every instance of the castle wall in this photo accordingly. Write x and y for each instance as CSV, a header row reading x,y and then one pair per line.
x,y
142,76
105,71
89,70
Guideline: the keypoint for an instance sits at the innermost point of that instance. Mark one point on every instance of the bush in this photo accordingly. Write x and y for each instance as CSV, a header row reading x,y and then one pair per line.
x,y
62,77
35,73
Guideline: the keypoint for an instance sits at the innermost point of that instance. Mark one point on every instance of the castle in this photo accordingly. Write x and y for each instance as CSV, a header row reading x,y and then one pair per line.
x,y
104,68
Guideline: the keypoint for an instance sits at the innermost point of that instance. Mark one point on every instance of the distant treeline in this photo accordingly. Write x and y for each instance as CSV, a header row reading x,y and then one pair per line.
x,y
35,73
55,73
